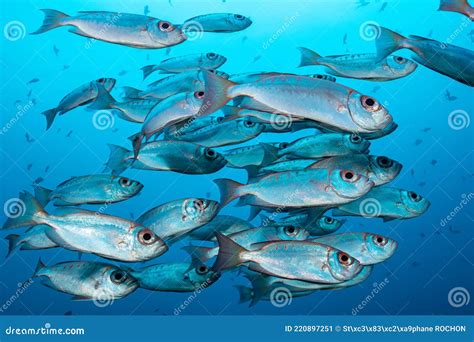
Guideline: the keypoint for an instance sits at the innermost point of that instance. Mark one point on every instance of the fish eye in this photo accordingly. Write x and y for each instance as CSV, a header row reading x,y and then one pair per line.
x,y
290,231
118,277
328,220
125,182
101,80
220,119
400,60
165,26
414,196
211,154
146,237
349,176
199,94
384,162
344,259
211,55
239,16
380,240
203,269
199,204
248,123
369,103
283,145
355,139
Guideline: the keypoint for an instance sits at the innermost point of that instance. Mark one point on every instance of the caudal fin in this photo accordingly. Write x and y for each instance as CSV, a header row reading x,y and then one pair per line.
x,y
42,195
119,159
308,57
40,267
387,42
215,92
202,254
14,240
136,140
50,115
23,211
52,19
228,189
148,70
453,6
245,293
131,93
229,253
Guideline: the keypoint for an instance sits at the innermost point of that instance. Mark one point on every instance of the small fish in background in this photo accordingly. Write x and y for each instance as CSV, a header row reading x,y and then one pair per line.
x,y
46,169
68,313
29,166
115,130
422,235
418,142
33,80
148,56
59,130
459,6
168,51
38,180
65,67
28,138
362,3
384,5
55,50
69,134
415,264
422,184
375,89
29,93
471,34
454,231
412,172
244,38
433,162
169,2
344,39
427,129
256,58
123,72
17,103
430,34
146,10
449,97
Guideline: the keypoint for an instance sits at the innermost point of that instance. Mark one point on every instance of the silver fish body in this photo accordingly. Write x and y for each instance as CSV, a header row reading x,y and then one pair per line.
x,y
224,224
216,22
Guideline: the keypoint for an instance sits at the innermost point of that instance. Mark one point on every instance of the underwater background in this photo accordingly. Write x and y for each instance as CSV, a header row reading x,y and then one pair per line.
x,y
433,256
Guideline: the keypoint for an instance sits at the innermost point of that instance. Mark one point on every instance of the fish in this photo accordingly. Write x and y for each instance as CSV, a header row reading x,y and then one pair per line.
x,y
216,22
388,203
367,248
34,238
325,145
379,169
33,80
174,65
365,66
446,59
179,217
449,97
301,260
133,30
249,237
286,165
92,232
224,133
224,224
192,125
55,50
87,280
164,155
89,189
247,294
146,10
384,5
290,189
28,138
310,220
459,6
258,155
348,110
175,277
81,96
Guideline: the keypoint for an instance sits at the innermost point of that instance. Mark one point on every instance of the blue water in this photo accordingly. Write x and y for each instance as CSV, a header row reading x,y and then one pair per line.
x,y
432,258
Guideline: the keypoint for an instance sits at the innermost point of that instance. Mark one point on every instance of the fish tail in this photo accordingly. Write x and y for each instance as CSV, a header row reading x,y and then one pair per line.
x,y
103,99
136,140
40,267
52,19
387,42
215,92
260,287
50,116
245,293
42,195
118,159
198,253
252,172
308,57
131,93
453,6
148,70
24,211
228,189
229,253
254,211
14,240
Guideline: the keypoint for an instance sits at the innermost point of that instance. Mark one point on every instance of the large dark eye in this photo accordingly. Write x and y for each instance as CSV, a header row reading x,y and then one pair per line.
x,y
146,237
328,220
283,145
101,80
344,259
414,196
248,123
380,240
211,154
384,162
355,139
211,55
349,176
220,119
125,182
400,60
290,231
203,269
118,277
369,103
165,26
239,16
199,94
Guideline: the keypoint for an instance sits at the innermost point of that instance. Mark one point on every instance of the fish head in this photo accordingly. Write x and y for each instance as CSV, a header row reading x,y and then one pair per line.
x,y
220,73
400,66
108,83
291,233
367,113
329,224
356,143
199,210
414,203
384,169
239,21
116,283
165,33
146,244
248,127
124,187
379,247
212,60
209,159
202,276
348,184
341,265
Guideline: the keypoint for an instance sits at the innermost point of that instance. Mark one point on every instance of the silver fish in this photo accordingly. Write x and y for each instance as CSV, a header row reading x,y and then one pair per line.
x,y
134,110
257,155
134,30
221,223
310,220
216,22
34,238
